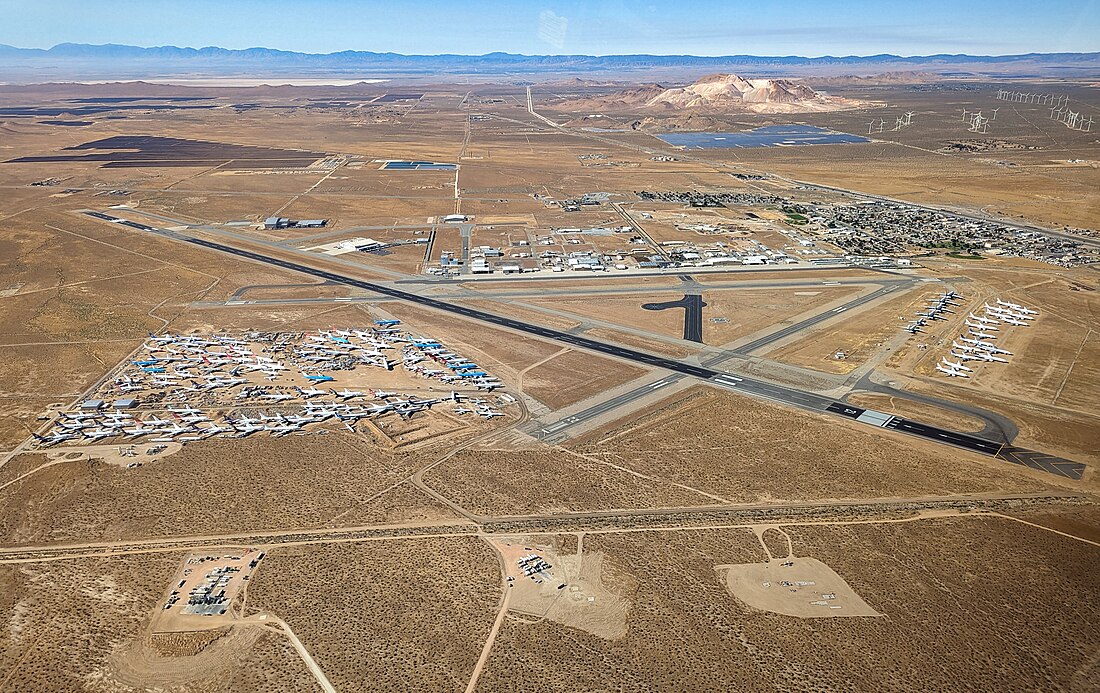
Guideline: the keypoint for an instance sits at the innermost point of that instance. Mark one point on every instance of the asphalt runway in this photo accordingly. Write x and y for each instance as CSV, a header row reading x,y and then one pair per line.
x,y
693,314
765,390
811,321
556,431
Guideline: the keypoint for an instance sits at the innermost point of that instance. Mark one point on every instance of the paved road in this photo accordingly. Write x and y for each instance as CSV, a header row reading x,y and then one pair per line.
x,y
997,426
778,393
813,320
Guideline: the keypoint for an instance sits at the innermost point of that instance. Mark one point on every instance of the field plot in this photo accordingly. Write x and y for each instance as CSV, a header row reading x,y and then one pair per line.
x,y
548,480
858,337
686,632
150,151
573,376
819,459
214,486
203,591
80,625
392,615
794,586
569,589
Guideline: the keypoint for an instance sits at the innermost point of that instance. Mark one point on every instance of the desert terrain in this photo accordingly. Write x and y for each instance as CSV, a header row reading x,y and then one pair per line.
x,y
567,384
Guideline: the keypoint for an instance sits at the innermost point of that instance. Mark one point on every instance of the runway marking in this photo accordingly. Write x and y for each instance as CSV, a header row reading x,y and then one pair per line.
x,y
786,395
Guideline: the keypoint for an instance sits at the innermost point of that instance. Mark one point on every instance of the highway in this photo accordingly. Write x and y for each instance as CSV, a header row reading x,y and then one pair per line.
x,y
749,386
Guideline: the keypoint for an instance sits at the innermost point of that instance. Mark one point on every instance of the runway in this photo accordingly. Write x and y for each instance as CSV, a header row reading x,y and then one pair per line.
x,y
813,320
778,393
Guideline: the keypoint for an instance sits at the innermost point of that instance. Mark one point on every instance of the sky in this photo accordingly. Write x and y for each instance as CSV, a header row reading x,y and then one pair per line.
x,y
591,27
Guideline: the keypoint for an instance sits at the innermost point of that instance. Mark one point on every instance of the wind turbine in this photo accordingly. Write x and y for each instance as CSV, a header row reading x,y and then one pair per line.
x,y
909,117
995,113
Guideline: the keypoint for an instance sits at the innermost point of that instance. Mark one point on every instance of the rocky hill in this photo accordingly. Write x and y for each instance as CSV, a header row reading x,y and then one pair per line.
x,y
720,93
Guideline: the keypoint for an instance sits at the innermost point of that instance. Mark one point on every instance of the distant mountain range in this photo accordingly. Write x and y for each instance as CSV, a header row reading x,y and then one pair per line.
x,y
89,60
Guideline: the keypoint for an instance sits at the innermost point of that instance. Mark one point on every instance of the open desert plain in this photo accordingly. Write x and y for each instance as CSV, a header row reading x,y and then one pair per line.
x,y
470,381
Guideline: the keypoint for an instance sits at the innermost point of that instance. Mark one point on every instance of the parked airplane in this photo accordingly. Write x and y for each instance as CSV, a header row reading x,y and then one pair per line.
x,y
983,319
347,394
986,346
951,372
979,326
1016,307
54,438
310,392
981,335
956,366
966,357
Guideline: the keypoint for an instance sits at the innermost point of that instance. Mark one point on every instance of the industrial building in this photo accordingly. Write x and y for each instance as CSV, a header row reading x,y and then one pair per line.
x,y
283,223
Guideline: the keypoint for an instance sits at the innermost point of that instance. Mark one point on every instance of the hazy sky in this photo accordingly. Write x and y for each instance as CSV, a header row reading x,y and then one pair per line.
x,y
598,27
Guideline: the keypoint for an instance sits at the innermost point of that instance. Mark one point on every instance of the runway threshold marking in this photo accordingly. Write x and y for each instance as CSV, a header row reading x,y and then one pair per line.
x,y
1035,460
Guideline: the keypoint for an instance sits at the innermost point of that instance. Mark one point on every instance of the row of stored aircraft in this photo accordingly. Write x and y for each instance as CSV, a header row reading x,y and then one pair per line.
x,y
977,344
934,310
187,424
181,365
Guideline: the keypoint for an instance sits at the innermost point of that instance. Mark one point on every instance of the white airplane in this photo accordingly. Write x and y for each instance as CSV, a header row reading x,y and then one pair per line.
x,y
54,438
981,335
463,410
979,326
97,433
489,385
194,418
998,310
967,357
185,409
987,356
214,429
951,372
1018,323
277,396
247,429
348,394
176,430
957,366
985,320
382,394
307,392
985,346
283,429
489,413
300,419
1017,307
